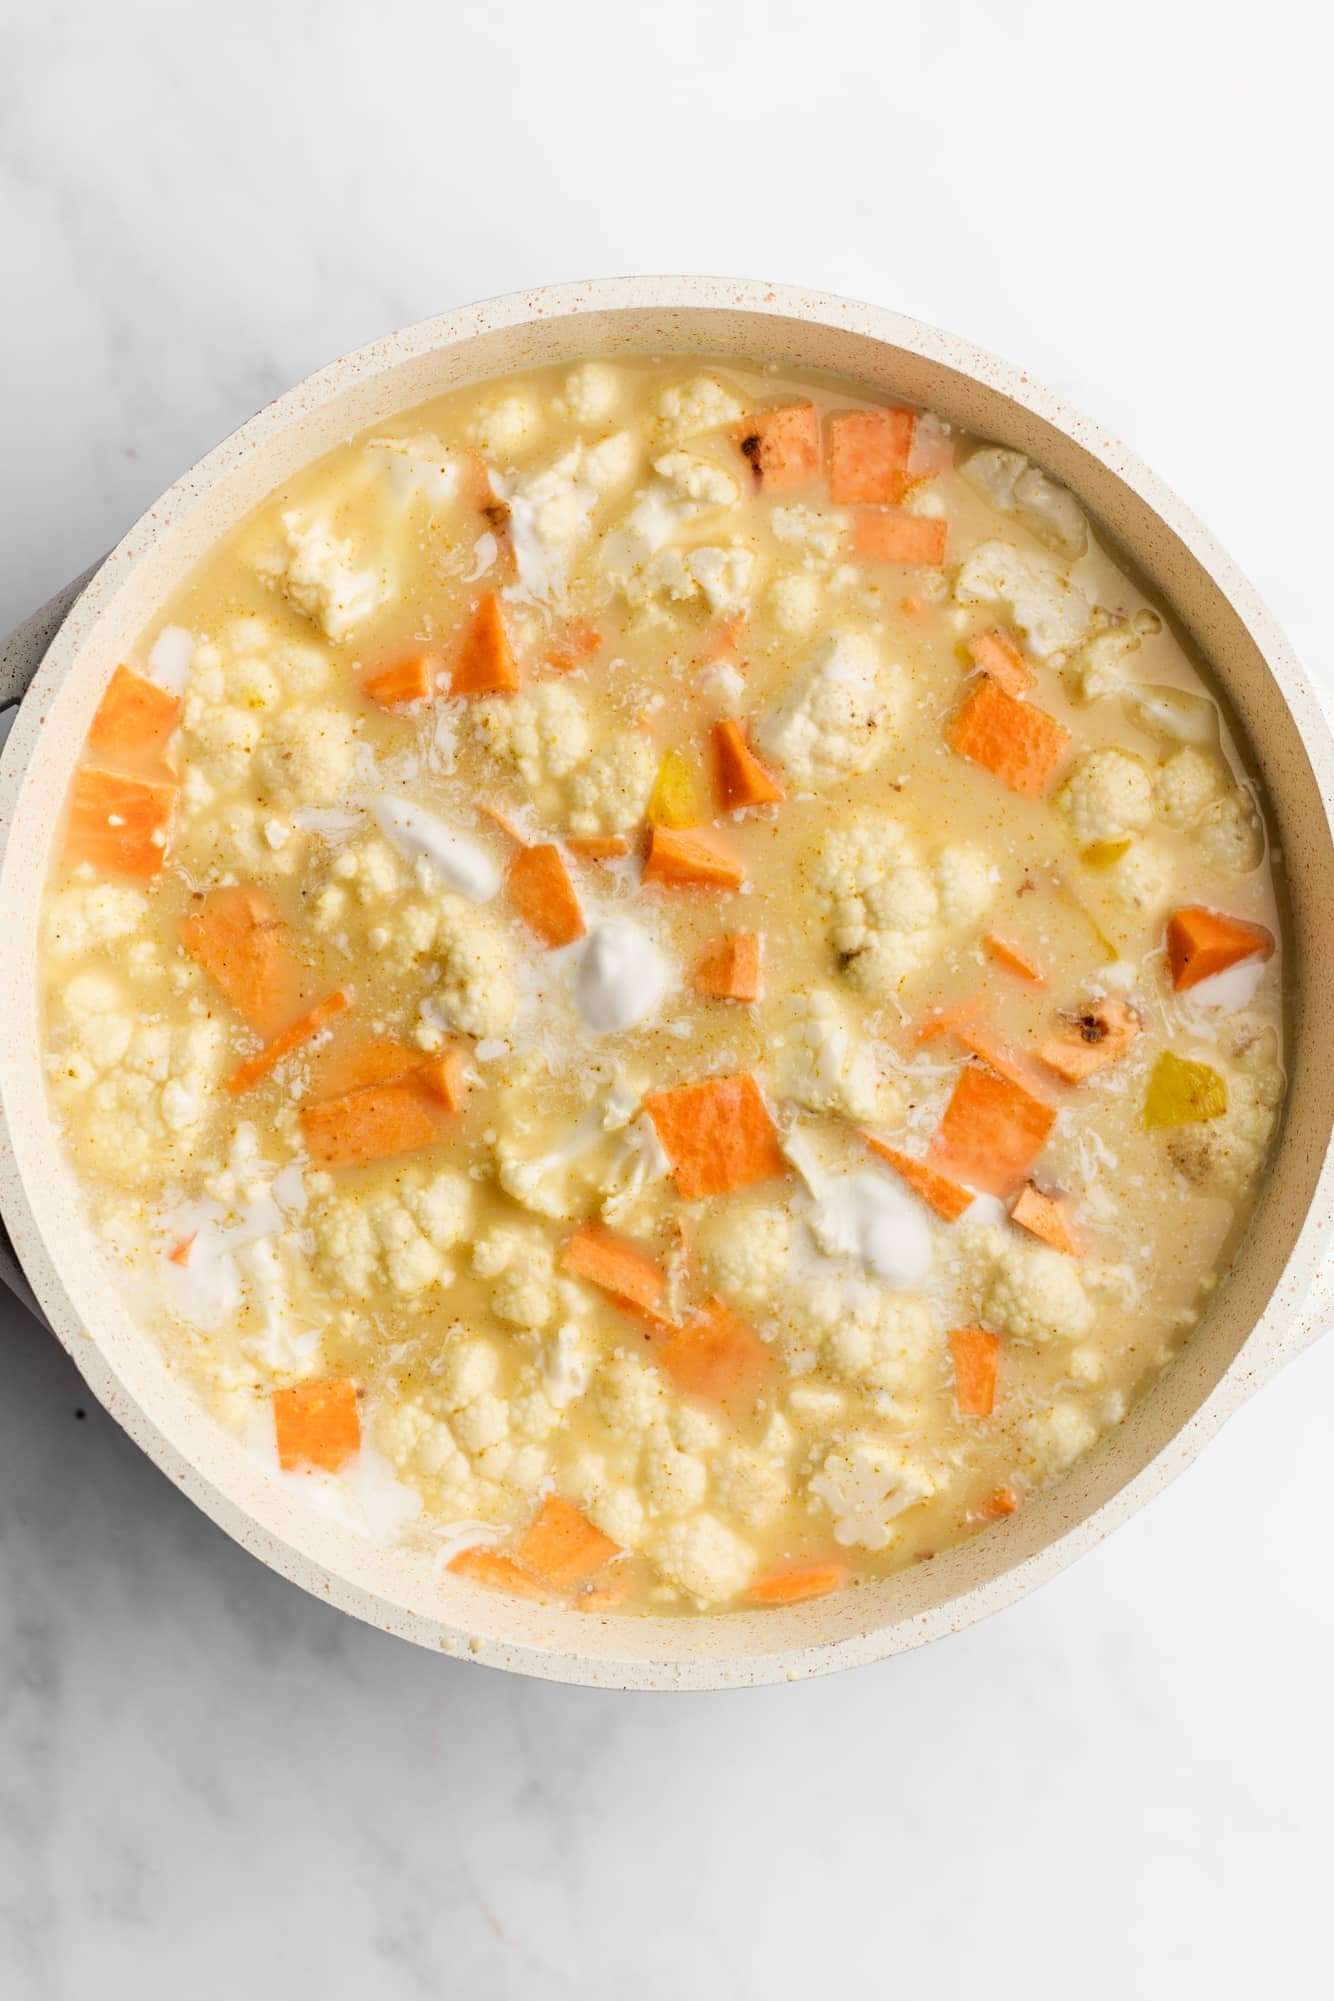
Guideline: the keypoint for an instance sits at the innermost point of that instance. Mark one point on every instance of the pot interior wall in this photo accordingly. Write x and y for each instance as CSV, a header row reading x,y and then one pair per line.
x,y
400,1590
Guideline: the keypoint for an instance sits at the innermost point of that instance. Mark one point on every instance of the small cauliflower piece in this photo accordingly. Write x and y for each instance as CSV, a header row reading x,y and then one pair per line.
x,y
474,988
592,393
1225,1154
705,1557
541,734
1142,878
965,885
1097,669
674,1482
1031,1292
882,907
1016,486
866,1484
827,1065
794,602
1052,613
552,510
753,1482
506,425
1185,784
723,575
1060,1435
397,1235
521,1259
609,793
629,1394
696,479
1231,835
319,575
305,755
701,404
745,1248
83,920
1107,796
877,1337
840,716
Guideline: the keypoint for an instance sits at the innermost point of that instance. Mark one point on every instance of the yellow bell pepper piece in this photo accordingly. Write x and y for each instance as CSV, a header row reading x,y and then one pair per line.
x,y
1183,1093
675,800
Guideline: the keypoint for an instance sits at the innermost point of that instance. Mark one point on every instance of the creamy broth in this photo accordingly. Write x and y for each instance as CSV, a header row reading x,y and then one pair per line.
x,y
674,993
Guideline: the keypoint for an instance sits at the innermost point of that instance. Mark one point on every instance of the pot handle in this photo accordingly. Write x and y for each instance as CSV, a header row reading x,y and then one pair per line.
x,y
21,654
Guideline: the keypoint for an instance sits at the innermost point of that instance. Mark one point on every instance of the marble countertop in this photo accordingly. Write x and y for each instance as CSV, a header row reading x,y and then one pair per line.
x,y
213,1785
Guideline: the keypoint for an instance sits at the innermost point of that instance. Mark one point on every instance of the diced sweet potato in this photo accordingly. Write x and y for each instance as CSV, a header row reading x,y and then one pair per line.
x,y
798,1583
946,1197
498,1572
992,1131
743,780
562,1546
997,655
1002,1502
543,895
1019,744
1203,942
1048,1215
413,677
976,1037
730,968
266,1059
1091,1040
441,1078
134,718
119,824
317,1424
238,935
597,847
883,537
485,662
716,1355
1014,958
868,456
718,1135
782,446
578,644
692,859
974,1352
623,1268
378,1061
373,1123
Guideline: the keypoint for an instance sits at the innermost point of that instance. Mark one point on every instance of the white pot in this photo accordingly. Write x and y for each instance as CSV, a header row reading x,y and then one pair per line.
x,y
1273,1301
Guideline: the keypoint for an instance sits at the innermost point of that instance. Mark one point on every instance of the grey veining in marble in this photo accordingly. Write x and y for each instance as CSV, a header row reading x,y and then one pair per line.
x,y
211,1785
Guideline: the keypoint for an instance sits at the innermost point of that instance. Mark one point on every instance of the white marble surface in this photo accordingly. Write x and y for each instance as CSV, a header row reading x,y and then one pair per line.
x,y
213,1786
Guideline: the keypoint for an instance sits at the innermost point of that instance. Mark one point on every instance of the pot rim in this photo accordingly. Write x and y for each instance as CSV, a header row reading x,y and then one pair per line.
x,y
1279,1328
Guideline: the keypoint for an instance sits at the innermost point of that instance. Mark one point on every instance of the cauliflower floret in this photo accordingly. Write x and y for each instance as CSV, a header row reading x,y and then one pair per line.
x,y
1097,669
1052,613
506,425
319,575
705,1557
629,1394
415,468
745,1252
146,1088
1142,877
610,792
697,479
795,603
880,1337
397,1235
522,1260
1032,1292
840,716
475,989
1017,487
83,920
542,733
687,408
828,1066
551,511
481,1424
1107,796
1185,784
592,393
866,1484
821,535
881,905
614,1508
1060,1435
965,884
305,754
1231,835
222,738
723,575
1225,1154
753,1484
469,1368
675,1482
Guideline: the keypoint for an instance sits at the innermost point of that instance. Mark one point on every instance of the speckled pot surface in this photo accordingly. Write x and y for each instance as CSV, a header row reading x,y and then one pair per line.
x,y
1277,1297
